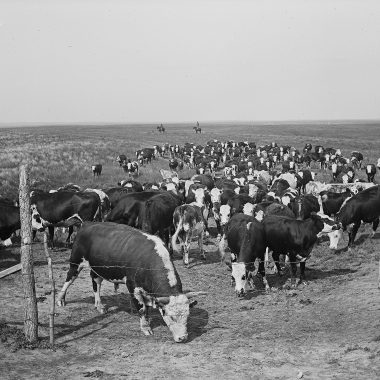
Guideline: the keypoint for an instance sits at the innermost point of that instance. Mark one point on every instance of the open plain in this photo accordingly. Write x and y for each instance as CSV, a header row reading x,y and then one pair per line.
x,y
327,329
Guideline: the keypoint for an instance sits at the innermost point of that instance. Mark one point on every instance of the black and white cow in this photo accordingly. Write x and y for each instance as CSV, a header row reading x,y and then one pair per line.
x,y
131,167
121,254
120,159
63,209
9,222
291,237
188,223
362,207
370,170
97,169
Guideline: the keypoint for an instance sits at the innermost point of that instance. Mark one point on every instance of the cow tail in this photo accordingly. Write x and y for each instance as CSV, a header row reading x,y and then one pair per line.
x,y
177,247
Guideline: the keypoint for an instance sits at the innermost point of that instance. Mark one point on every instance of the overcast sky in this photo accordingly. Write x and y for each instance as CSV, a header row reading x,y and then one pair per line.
x,y
173,60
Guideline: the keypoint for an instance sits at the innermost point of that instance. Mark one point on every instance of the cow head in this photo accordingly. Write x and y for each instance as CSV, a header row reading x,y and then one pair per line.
x,y
215,194
225,214
37,221
175,311
242,275
199,195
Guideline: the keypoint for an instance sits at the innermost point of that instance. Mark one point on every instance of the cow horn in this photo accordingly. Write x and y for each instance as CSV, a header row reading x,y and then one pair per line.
x,y
194,294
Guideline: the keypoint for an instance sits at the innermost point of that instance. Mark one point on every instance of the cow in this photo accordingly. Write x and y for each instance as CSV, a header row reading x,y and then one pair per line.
x,y
9,222
364,206
306,177
188,221
131,167
304,205
332,202
104,202
294,238
97,169
120,159
121,254
246,239
370,170
63,209
173,164
116,193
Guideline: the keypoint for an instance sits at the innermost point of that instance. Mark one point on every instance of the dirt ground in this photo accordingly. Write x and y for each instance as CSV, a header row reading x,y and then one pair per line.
x,y
327,329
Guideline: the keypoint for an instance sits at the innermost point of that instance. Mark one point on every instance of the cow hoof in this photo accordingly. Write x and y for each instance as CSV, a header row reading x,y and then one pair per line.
x,y
102,309
147,331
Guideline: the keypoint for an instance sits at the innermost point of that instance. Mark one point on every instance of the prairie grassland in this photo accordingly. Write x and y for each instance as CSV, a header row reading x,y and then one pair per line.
x,y
60,154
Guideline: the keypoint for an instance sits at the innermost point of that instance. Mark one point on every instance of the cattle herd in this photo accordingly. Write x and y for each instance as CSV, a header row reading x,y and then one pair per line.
x,y
262,199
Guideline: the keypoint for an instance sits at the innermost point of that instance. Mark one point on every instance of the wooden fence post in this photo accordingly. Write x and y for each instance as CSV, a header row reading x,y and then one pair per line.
x,y
27,273
52,295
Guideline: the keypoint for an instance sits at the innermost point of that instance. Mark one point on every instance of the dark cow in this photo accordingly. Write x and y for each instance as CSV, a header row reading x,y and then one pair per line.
x,y
131,184
364,206
370,170
115,193
246,239
97,169
121,159
121,254
188,222
158,216
64,209
332,202
304,205
129,208
9,222
173,164
145,155
306,177
294,238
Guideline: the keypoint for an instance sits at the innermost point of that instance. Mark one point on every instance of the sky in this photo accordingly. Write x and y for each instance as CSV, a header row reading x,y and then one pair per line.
x,y
163,61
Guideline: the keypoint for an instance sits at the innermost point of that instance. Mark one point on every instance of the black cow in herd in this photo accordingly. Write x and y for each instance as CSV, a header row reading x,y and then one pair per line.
x,y
97,169
125,255
63,209
9,222
362,207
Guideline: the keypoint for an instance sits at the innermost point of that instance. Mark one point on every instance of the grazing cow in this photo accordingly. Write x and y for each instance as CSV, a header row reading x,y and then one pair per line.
x,y
370,170
364,206
121,254
294,238
97,169
63,209
188,222
246,239
332,202
9,222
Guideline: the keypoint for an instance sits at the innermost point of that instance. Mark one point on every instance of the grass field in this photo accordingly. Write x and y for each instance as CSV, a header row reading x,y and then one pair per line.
x,y
328,329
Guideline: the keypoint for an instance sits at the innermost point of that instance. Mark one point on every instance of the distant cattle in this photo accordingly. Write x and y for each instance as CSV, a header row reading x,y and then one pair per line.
x,y
370,170
121,254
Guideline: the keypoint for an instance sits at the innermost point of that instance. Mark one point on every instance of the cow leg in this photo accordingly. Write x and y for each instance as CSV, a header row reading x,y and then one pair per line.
x,y
293,270
352,233
51,235
186,248
276,259
302,272
72,274
96,286
266,259
375,224
261,271
68,240
200,244
142,310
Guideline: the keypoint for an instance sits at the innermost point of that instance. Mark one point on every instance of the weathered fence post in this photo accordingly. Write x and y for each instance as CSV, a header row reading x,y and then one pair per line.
x,y
52,295
27,273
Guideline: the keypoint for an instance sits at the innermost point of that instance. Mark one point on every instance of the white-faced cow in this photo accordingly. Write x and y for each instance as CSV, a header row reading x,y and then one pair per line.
x,y
97,169
122,254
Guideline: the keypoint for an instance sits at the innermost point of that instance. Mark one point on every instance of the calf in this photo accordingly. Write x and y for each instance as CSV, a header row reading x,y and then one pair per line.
x,y
188,222
97,169
121,254
370,171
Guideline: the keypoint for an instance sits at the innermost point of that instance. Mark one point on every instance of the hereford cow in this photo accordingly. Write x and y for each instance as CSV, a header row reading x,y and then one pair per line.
x,y
97,169
121,254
